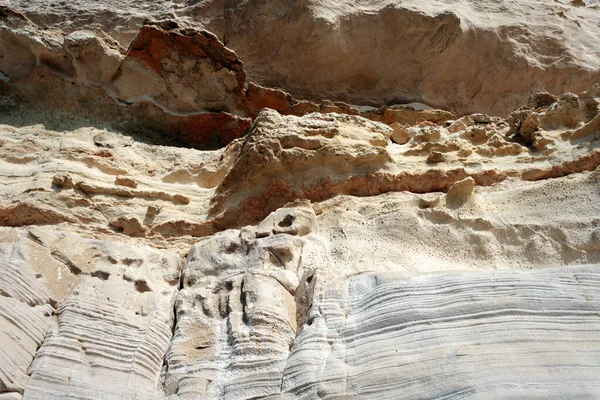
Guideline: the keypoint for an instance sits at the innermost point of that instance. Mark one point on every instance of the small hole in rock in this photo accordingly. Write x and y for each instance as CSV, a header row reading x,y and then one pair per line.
x,y
231,247
142,287
132,262
102,275
424,204
287,221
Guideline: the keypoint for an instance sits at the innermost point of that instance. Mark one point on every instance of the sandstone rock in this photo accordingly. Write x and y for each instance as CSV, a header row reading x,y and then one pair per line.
x,y
180,83
436,157
407,115
234,252
217,266
321,260
442,46
400,135
114,324
467,120
460,192
478,134
280,151
567,112
384,314
592,127
498,146
125,181
542,100
46,273
481,118
253,298
545,112
96,58
77,183
524,124
260,316
455,54
427,133
211,130
457,126
26,308
181,71
259,97
238,306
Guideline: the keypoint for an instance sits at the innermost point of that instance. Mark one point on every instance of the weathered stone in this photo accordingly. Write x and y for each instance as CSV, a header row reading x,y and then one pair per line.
x,y
342,238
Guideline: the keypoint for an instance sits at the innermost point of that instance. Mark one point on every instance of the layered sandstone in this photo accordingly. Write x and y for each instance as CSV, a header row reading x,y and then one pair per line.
x,y
468,56
242,200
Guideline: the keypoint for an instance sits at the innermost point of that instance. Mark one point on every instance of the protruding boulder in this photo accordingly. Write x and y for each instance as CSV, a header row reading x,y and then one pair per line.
x,y
181,70
435,157
400,135
460,192
285,158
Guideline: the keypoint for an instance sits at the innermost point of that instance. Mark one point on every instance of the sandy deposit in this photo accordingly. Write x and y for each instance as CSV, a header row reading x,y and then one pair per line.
x,y
242,200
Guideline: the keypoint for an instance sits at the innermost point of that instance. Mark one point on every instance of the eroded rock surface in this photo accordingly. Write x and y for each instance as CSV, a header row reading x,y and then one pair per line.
x,y
181,71
179,220
384,336
183,85
94,311
470,56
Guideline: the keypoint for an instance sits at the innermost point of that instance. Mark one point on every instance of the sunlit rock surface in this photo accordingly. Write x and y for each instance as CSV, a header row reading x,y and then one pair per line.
x,y
245,200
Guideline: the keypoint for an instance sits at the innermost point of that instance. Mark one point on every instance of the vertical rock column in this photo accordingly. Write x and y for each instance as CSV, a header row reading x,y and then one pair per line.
x,y
236,313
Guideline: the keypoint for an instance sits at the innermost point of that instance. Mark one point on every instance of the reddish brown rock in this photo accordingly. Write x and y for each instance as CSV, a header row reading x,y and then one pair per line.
x,y
435,157
407,115
211,130
259,97
178,86
400,135
181,70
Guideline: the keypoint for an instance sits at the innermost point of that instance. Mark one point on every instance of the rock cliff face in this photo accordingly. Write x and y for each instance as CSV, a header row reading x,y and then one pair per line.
x,y
467,56
299,200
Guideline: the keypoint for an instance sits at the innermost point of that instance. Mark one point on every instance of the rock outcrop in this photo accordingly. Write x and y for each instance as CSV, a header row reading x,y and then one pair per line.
x,y
90,311
183,85
384,336
468,56
182,72
176,85
463,55
242,200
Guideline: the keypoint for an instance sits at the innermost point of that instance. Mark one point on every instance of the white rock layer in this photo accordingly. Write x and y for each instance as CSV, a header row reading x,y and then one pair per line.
x,y
492,335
